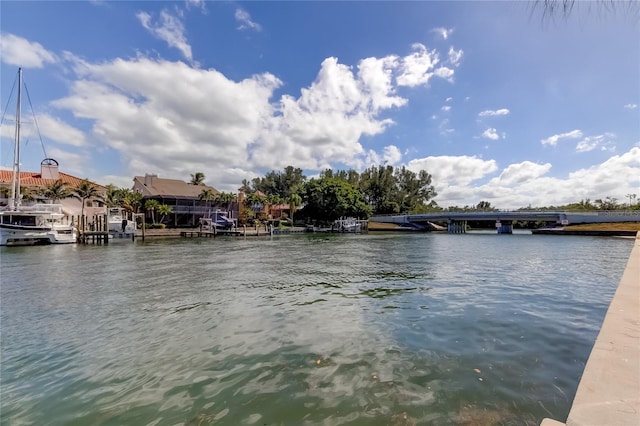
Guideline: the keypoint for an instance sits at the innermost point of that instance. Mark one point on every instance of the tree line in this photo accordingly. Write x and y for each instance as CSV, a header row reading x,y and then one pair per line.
x,y
344,193
333,194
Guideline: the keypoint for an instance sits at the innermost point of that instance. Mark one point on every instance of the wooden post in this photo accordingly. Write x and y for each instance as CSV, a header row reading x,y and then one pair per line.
x,y
106,228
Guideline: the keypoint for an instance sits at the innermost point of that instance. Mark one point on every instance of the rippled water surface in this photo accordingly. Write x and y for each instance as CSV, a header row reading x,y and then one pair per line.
x,y
309,329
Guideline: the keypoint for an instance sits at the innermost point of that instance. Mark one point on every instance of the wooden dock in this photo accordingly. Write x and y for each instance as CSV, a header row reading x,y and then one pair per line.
x,y
93,237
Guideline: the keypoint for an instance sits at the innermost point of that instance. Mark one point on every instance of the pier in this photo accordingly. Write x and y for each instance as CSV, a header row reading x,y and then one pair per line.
x,y
609,390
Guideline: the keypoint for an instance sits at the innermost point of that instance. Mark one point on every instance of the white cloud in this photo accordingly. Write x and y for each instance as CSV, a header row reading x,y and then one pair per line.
x,y
172,118
57,130
631,106
444,73
589,143
417,68
491,133
455,56
444,127
491,113
170,29
617,176
521,172
446,108
49,127
390,155
169,117
244,19
449,99
453,170
526,183
21,52
200,4
376,77
443,32
74,162
553,140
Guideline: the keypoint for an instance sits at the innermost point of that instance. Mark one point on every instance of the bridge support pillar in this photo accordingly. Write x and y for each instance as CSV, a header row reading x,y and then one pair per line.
x,y
505,227
457,227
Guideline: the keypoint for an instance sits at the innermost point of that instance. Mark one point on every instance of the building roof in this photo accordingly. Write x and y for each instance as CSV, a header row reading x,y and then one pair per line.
x,y
280,207
160,187
35,179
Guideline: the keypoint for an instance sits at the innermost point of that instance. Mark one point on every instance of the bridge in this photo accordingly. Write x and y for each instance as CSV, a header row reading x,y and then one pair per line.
x,y
457,221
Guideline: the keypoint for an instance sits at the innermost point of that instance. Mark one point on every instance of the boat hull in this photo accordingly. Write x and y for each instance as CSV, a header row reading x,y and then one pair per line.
x,y
26,236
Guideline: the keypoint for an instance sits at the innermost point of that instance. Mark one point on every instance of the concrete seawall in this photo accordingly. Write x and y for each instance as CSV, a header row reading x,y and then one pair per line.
x,y
609,390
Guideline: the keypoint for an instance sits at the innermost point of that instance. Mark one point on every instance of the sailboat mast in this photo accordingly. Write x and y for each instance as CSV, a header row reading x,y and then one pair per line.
x,y
15,184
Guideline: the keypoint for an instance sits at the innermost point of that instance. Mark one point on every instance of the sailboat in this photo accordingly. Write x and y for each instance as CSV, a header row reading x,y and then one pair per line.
x,y
36,223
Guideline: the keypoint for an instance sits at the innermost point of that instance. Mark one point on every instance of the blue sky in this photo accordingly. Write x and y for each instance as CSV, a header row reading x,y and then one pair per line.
x,y
493,100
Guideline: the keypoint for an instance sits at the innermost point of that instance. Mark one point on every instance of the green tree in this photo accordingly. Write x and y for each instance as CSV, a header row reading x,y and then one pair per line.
x,y
329,198
197,178
152,206
412,191
58,190
226,198
164,210
27,194
484,206
113,196
130,201
246,186
294,202
86,190
207,195
289,181
378,186
609,203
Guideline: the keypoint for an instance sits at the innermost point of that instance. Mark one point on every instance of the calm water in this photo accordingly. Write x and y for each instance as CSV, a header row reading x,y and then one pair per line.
x,y
309,329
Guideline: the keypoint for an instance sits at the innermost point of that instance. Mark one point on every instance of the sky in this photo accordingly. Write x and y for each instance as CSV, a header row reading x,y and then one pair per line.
x,y
498,101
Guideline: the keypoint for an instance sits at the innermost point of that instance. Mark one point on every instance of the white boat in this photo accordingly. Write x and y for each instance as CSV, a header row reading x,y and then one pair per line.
x,y
348,224
36,223
119,225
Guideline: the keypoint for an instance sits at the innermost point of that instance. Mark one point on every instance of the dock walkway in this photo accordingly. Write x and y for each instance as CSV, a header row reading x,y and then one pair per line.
x,y
609,390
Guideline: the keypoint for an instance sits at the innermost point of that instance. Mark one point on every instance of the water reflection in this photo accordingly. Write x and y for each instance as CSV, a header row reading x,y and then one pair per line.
x,y
401,329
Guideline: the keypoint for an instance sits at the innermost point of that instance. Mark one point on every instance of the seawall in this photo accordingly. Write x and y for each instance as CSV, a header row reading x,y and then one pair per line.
x,y
609,390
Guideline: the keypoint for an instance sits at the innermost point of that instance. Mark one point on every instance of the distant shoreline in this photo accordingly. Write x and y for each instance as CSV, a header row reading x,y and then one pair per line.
x,y
593,229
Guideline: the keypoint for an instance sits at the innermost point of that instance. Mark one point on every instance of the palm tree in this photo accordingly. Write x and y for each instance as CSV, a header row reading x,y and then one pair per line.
x,y
227,198
57,190
152,206
113,197
207,195
294,202
254,201
246,186
164,210
197,178
86,191
129,200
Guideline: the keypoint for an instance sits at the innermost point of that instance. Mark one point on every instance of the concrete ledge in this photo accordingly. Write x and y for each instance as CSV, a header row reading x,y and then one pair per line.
x,y
609,390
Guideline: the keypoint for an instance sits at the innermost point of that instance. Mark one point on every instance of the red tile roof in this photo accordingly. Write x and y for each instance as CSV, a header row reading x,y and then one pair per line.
x,y
35,179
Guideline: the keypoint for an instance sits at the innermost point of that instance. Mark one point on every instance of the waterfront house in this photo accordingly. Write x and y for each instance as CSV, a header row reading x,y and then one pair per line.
x,y
280,211
183,198
50,172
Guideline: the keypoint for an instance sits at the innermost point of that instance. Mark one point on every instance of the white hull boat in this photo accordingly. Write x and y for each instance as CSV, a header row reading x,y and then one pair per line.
x,y
35,225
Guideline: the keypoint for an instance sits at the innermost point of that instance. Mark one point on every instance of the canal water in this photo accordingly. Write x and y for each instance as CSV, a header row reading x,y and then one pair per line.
x,y
378,329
